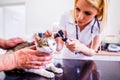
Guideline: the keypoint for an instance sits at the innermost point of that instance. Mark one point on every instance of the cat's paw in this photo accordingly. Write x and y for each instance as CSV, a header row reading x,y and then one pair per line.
x,y
41,72
56,70
45,73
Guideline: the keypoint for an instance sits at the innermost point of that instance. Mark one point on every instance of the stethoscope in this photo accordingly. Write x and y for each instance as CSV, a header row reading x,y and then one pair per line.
x,y
95,20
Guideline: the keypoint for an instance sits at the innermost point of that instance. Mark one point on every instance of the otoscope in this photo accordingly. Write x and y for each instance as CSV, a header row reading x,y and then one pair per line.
x,y
58,34
61,34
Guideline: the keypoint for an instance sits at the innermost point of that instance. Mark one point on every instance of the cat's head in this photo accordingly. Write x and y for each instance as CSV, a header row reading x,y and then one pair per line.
x,y
45,44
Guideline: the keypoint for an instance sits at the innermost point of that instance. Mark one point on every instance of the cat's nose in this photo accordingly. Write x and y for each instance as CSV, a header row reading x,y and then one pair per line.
x,y
50,48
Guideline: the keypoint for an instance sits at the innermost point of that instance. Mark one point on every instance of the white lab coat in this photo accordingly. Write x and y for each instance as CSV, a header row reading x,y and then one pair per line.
x,y
85,36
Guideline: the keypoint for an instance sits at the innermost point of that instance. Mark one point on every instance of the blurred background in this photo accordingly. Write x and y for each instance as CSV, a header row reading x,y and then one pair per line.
x,y
25,17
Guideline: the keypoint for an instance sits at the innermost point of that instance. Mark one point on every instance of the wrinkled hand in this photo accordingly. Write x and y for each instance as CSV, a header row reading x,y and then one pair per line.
x,y
74,45
31,58
12,42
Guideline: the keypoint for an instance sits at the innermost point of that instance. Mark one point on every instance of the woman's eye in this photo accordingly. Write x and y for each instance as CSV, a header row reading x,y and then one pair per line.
x,y
88,13
77,9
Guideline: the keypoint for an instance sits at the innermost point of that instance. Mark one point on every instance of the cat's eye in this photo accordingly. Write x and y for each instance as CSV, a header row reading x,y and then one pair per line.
x,y
45,44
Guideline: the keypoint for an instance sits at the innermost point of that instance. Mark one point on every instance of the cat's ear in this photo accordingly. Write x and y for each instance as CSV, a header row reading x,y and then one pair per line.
x,y
36,37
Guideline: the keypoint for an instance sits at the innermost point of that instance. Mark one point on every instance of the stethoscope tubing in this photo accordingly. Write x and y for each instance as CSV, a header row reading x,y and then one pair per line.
x,y
98,24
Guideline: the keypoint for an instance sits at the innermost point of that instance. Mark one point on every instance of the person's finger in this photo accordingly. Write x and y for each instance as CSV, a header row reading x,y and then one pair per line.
x,y
42,58
32,47
30,66
71,39
48,33
43,54
39,63
71,47
18,40
70,43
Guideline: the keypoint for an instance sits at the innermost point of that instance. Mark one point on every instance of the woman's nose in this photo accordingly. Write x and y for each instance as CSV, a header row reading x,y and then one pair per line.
x,y
80,16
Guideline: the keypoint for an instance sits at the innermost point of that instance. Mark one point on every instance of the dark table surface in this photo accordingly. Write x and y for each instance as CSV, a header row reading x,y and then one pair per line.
x,y
73,70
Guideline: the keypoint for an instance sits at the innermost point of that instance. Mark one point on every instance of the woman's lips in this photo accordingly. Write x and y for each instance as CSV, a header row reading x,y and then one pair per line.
x,y
80,22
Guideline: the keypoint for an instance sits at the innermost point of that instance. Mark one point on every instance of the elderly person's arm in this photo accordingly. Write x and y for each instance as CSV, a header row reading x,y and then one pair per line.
x,y
24,58
8,43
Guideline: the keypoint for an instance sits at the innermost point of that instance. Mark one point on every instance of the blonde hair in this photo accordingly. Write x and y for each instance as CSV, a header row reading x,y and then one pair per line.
x,y
101,6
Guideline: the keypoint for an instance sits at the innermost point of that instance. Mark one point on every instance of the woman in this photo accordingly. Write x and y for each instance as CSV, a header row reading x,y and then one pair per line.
x,y
82,26
23,58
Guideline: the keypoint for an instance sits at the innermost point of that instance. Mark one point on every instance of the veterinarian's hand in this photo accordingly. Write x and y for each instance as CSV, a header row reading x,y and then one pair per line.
x,y
48,33
12,42
74,45
31,58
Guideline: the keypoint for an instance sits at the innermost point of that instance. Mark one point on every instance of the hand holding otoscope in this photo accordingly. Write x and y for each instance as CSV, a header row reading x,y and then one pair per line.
x,y
75,45
65,39
72,44
61,34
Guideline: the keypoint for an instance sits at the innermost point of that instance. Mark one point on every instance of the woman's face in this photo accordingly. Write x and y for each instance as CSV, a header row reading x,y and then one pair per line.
x,y
84,13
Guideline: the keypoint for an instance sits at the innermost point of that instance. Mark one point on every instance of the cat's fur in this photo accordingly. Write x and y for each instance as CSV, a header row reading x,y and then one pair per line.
x,y
47,45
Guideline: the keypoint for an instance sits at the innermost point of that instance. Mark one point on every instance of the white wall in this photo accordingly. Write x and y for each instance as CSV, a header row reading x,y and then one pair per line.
x,y
113,26
14,21
8,2
41,14
1,22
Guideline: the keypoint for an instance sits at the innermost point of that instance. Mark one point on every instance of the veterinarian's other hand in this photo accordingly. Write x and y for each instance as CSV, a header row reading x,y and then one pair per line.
x,y
74,45
31,58
12,42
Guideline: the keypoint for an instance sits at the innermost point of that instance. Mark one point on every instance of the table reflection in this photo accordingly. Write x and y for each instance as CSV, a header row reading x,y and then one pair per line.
x,y
73,70
80,70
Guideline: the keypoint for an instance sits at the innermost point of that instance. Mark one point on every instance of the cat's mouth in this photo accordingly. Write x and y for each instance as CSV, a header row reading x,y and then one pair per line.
x,y
49,50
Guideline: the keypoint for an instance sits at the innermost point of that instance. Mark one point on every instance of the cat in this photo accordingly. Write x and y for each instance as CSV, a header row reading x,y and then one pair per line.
x,y
43,44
